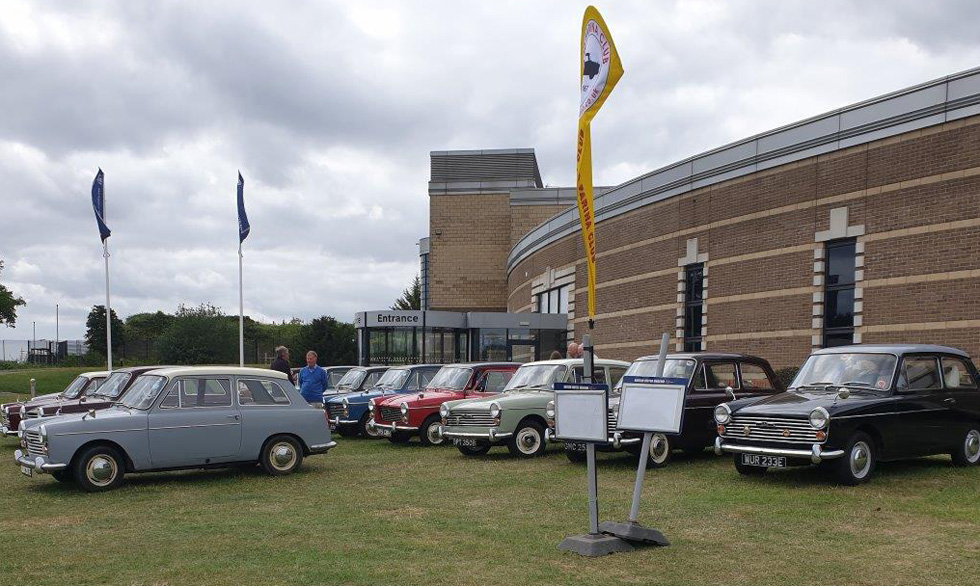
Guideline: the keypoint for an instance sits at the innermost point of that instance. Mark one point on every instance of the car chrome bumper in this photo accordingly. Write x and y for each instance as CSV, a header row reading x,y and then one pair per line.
x,y
339,421
322,448
40,463
616,440
491,436
394,426
815,454
8,432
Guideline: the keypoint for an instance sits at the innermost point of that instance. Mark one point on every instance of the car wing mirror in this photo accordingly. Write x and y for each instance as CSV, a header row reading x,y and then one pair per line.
x,y
730,393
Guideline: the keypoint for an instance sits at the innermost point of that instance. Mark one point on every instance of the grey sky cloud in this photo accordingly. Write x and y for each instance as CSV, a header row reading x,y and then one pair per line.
x,y
329,109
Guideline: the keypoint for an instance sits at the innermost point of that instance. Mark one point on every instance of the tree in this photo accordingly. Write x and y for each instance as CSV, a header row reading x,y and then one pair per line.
x,y
199,335
334,342
141,331
95,330
411,297
8,305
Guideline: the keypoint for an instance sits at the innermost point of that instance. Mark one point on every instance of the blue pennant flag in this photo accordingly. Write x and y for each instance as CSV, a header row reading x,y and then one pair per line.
x,y
98,204
243,226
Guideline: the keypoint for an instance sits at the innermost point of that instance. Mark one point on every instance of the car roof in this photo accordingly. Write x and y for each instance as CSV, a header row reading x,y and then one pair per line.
x,y
337,367
482,364
702,356
579,361
413,366
96,374
893,349
171,371
140,369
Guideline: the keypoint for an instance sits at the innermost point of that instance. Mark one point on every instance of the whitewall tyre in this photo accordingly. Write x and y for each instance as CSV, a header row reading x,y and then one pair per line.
x,y
660,450
99,468
528,440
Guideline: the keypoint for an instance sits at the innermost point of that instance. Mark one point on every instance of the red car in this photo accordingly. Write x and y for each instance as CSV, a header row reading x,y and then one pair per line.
x,y
400,417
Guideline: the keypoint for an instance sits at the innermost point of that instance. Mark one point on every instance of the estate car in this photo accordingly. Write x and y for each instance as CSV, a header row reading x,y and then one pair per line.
x,y
852,406
348,412
400,417
173,418
713,378
517,416
12,413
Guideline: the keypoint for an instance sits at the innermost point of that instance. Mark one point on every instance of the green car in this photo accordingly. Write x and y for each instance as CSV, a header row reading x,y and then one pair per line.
x,y
516,417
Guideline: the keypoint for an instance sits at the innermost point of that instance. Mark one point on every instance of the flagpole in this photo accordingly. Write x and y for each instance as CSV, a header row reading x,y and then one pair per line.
x,y
108,308
241,311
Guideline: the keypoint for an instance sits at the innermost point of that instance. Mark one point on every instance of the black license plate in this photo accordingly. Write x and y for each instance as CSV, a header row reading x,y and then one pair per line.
x,y
464,441
575,446
763,461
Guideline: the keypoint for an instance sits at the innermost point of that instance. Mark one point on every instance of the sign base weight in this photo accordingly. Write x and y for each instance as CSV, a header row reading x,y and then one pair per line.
x,y
634,532
594,545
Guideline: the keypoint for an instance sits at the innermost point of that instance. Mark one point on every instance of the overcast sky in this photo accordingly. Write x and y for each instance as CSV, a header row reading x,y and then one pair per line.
x,y
330,109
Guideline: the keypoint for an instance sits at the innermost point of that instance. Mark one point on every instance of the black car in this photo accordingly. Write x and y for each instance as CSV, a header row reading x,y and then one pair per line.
x,y
713,378
853,406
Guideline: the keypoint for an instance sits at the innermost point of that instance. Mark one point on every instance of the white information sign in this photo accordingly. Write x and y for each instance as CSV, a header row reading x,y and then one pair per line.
x,y
580,412
652,404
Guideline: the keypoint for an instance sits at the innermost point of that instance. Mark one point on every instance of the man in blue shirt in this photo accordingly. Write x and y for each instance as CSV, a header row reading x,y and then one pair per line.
x,y
312,380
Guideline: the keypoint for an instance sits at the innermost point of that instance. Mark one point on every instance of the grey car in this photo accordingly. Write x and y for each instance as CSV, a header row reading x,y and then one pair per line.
x,y
172,418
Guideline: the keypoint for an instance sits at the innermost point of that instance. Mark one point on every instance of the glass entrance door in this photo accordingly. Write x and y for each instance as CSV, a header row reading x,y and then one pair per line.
x,y
522,351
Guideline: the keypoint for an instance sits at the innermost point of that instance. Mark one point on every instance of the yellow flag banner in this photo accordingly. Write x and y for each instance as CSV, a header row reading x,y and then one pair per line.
x,y
600,70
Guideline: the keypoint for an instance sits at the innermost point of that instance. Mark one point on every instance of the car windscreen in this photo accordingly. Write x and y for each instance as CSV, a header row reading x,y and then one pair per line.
x,y
873,371
451,377
334,377
143,392
73,390
673,368
537,375
394,378
114,385
352,379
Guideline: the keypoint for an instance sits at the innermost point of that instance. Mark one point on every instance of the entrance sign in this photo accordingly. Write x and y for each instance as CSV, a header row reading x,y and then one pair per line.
x,y
652,404
580,412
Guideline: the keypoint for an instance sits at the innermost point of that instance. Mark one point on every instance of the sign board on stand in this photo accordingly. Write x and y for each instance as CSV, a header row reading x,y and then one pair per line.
x,y
580,412
652,404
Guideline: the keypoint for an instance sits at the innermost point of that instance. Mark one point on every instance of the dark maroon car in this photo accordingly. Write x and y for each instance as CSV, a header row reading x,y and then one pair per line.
x,y
11,413
110,391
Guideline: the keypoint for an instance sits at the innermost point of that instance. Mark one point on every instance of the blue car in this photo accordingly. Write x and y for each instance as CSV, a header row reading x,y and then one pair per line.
x,y
348,412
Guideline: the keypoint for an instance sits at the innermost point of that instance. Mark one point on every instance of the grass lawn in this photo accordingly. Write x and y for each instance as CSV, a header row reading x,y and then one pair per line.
x,y
49,380
373,513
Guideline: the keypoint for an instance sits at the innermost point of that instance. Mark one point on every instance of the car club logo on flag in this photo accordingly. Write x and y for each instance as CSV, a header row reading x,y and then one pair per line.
x,y
600,69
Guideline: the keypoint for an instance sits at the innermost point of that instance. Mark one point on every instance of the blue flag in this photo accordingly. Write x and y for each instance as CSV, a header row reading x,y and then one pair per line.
x,y
243,226
98,204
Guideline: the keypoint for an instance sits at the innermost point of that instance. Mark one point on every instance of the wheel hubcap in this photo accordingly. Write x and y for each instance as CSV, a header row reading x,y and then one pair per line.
x,y
283,456
528,441
973,445
101,470
658,448
432,433
860,459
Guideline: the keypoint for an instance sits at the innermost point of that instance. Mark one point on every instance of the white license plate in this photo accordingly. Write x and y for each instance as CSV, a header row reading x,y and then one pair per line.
x,y
464,441
26,471
383,431
764,461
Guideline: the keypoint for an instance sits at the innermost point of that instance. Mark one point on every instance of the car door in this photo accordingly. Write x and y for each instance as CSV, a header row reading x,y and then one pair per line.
x,y
962,394
195,424
712,380
924,418
755,380
491,382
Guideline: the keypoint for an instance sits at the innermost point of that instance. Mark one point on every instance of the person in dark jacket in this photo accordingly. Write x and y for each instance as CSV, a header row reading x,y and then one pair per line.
x,y
281,363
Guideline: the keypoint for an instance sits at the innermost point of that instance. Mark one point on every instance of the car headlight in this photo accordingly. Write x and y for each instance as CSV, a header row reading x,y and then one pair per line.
x,y
404,408
494,410
371,405
723,414
44,433
819,418
443,410
550,410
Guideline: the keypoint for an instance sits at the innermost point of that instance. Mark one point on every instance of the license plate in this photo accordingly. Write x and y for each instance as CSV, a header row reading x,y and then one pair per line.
x,y
464,441
575,446
383,431
764,461
26,471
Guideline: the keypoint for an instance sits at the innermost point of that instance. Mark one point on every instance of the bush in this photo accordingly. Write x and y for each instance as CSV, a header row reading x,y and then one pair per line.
x,y
786,375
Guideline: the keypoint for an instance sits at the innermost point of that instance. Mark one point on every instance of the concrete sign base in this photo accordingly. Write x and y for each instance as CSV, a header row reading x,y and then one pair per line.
x,y
634,532
594,545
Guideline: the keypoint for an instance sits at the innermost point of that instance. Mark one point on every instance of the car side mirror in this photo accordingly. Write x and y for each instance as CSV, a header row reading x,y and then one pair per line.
x,y
730,393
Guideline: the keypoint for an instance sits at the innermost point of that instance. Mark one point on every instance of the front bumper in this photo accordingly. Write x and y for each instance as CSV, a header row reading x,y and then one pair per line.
x,y
322,448
490,435
815,454
615,441
393,426
7,431
338,421
39,463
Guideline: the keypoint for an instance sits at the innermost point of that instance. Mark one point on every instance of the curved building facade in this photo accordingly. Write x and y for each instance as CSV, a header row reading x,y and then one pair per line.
x,y
859,225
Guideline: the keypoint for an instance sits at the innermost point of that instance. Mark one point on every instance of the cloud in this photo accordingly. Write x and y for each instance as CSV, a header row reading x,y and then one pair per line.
x,y
330,111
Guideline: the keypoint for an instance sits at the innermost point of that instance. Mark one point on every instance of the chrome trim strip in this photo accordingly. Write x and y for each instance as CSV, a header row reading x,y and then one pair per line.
x,y
96,431
193,426
889,413
321,448
478,435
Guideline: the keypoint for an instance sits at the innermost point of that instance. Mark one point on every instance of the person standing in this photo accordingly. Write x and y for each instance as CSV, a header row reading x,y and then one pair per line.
x,y
281,363
312,380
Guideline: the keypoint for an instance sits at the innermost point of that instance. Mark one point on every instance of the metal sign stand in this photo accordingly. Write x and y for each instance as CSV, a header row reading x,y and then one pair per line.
x,y
633,530
594,543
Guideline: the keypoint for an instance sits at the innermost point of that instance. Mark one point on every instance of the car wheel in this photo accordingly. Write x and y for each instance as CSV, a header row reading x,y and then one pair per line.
x,y
968,452
660,450
281,455
64,476
365,429
429,432
99,468
858,462
528,440
746,470
348,431
575,456
477,450
399,438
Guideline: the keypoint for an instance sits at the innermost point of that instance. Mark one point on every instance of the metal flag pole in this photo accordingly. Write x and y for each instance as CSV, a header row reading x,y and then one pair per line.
x,y
588,359
647,438
241,311
108,308
57,347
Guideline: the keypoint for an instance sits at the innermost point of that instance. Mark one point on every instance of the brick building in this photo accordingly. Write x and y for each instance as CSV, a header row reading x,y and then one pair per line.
x,y
859,225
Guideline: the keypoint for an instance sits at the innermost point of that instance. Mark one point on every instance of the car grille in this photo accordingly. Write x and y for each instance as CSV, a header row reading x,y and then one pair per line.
x,y
391,413
776,429
471,419
335,410
4,418
32,414
35,447
611,421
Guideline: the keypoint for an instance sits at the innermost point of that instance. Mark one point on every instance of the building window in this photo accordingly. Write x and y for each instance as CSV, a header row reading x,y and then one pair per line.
x,y
693,306
838,314
554,300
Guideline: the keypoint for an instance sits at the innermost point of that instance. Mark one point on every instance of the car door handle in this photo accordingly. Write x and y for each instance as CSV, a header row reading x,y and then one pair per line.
x,y
949,401
236,417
